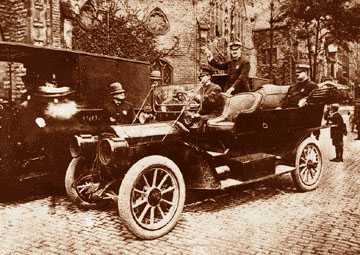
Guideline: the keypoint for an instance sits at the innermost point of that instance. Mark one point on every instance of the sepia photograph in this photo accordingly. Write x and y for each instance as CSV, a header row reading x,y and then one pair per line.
x,y
198,127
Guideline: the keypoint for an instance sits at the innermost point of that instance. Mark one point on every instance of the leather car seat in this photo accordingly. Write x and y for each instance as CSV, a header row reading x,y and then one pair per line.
x,y
241,103
272,95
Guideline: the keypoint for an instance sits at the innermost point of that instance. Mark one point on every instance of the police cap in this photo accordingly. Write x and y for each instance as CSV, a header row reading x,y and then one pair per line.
x,y
235,45
206,70
335,107
155,75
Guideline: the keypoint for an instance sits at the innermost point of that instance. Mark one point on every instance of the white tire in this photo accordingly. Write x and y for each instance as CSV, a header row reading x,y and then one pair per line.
x,y
151,197
308,163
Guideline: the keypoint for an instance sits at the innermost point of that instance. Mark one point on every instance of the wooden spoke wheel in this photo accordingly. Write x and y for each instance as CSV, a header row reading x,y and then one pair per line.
x,y
151,197
80,184
308,164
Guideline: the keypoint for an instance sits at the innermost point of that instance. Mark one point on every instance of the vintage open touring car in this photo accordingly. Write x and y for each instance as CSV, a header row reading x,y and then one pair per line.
x,y
146,168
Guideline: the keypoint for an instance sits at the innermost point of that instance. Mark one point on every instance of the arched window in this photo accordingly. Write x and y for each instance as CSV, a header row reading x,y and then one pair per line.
x,y
165,69
157,22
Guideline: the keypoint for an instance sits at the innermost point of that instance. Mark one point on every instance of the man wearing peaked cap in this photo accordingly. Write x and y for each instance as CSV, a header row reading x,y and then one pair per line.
x,y
337,132
237,68
212,100
119,111
298,93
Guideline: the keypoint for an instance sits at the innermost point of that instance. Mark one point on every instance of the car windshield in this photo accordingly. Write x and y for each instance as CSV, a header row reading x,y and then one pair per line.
x,y
174,97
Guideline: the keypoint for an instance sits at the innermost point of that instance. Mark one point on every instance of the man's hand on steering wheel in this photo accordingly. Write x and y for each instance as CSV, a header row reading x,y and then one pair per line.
x,y
302,102
229,91
209,54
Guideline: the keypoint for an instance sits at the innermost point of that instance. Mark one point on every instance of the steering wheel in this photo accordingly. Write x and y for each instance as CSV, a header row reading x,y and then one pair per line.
x,y
181,96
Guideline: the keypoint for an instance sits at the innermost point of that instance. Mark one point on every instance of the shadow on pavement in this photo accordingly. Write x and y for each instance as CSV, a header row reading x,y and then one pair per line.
x,y
27,191
202,200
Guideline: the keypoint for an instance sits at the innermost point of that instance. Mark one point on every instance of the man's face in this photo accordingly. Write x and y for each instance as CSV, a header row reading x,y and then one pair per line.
x,y
301,75
204,79
235,53
119,98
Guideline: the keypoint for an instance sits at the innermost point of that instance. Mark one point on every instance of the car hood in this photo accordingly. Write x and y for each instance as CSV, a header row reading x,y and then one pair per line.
x,y
151,132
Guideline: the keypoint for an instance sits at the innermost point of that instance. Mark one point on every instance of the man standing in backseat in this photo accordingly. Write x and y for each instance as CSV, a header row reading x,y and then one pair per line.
x,y
237,68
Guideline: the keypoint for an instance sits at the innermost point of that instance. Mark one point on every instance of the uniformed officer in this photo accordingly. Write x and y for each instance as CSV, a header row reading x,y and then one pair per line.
x,y
119,111
212,100
337,132
237,68
297,94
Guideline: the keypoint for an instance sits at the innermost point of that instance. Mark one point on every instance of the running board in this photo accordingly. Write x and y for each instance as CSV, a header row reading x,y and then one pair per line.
x,y
279,170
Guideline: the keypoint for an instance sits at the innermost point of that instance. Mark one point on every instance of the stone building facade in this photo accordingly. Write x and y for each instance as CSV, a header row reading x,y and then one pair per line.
x,y
283,62
332,61
36,22
286,53
186,26
174,23
182,27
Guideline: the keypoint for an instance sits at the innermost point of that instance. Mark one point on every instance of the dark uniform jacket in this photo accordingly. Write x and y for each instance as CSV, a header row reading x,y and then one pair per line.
x,y
297,92
213,101
119,114
337,132
238,71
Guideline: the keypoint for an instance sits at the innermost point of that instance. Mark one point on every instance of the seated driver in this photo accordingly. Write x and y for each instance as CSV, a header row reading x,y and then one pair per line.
x,y
297,94
176,101
212,99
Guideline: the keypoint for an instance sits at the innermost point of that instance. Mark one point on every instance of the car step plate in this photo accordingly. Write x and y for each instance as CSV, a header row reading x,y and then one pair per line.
x,y
283,169
248,158
279,170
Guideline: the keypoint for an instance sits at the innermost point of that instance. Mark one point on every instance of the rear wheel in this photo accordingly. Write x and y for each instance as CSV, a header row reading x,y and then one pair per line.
x,y
81,184
308,164
151,197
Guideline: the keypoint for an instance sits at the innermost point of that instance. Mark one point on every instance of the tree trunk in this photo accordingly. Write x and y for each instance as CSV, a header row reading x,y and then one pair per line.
x,y
313,77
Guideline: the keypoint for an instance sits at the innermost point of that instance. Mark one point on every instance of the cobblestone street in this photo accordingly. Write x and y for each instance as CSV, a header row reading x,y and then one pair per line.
x,y
264,218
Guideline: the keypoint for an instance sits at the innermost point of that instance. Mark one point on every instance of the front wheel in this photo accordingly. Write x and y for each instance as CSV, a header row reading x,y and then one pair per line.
x,y
308,165
151,197
80,184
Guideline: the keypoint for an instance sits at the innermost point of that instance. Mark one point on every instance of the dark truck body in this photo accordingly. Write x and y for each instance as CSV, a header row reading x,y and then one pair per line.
x,y
86,73
30,151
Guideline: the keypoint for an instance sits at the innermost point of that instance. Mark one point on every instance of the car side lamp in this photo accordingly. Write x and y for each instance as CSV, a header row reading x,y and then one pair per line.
x,y
111,149
83,145
40,122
